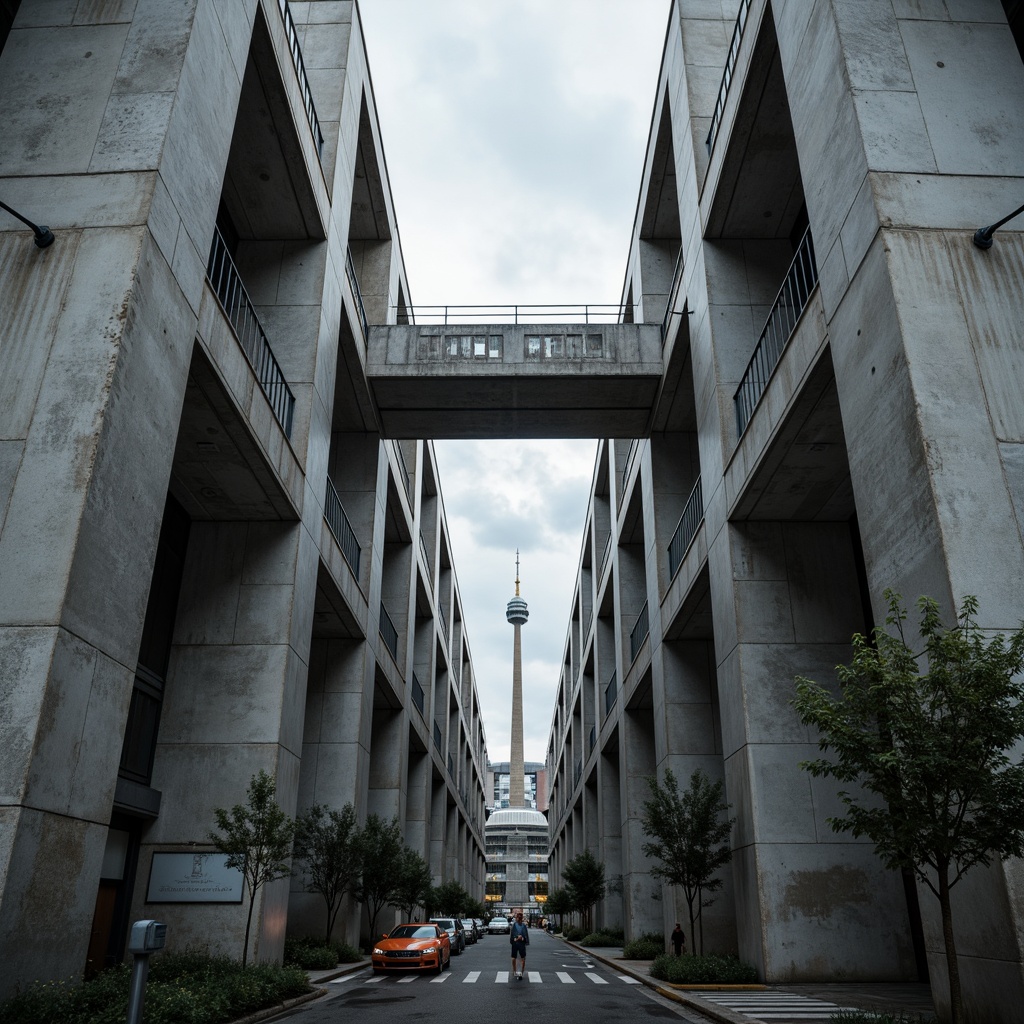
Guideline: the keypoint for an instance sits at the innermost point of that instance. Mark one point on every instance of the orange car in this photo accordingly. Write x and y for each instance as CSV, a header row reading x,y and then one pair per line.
x,y
413,947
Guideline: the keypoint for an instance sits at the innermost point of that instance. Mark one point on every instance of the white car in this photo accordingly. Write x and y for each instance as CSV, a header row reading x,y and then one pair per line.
x,y
498,926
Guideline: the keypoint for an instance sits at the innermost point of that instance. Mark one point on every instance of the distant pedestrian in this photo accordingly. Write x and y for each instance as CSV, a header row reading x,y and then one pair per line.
x,y
678,939
519,937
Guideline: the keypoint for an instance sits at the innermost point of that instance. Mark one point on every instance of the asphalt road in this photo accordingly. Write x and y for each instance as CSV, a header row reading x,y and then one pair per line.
x,y
561,985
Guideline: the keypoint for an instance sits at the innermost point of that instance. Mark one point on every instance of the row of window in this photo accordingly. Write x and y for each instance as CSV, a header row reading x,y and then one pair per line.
x,y
435,347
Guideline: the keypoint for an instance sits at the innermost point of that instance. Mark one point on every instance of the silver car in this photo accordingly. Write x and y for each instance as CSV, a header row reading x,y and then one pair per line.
x,y
499,926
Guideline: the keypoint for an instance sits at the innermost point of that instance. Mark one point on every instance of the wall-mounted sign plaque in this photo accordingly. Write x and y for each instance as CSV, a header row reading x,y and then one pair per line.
x,y
193,878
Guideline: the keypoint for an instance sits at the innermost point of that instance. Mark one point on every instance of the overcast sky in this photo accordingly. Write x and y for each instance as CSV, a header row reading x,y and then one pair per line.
x,y
514,133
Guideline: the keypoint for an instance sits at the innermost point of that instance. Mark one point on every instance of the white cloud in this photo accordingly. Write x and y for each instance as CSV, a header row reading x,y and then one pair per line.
x,y
514,133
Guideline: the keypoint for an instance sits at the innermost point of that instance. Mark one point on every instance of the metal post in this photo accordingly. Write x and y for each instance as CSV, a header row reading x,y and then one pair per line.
x,y
137,991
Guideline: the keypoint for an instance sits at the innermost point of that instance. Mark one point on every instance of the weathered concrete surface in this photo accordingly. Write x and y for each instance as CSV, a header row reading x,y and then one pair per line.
x,y
515,380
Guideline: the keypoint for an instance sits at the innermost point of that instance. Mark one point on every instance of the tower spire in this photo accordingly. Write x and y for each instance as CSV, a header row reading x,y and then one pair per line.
x,y
517,613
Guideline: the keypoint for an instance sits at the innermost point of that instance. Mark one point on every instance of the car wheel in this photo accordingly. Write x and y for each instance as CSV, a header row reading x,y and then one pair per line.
x,y
440,961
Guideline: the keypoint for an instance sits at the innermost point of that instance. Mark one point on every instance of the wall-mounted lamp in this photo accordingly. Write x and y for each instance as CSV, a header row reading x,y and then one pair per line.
x,y
44,236
983,236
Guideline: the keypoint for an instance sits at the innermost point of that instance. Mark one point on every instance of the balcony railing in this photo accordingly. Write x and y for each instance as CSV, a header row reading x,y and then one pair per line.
x,y
406,478
334,513
227,285
437,736
639,633
451,766
673,297
388,633
353,283
577,774
611,691
730,67
444,621
423,552
789,304
686,528
592,739
300,72
417,693
604,557
634,446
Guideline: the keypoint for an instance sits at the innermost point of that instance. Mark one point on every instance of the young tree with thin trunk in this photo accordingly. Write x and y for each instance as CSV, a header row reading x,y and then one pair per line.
x,y
382,847
449,898
328,842
560,902
414,882
584,877
257,839
691,841
930,749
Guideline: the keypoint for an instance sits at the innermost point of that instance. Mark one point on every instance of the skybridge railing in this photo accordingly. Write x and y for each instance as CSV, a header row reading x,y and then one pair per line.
x,y
727,74
686,528
514,313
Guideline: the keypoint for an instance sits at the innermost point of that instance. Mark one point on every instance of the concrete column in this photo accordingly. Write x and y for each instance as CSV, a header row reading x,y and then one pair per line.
x,y
609,807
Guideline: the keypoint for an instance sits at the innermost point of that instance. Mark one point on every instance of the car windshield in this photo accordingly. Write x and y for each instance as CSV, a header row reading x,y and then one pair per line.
x,y
414,931
445,922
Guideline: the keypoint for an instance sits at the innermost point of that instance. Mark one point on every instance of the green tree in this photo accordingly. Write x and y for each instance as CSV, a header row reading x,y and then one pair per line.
x,y
938,791
560,902
584,877
414,878
449,898
328,841
382,850
257,839
691,841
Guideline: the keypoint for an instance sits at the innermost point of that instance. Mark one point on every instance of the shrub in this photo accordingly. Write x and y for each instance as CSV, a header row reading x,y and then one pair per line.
x,y
599,939
644,947
613,933
309,954
708,969
575,934
190,987
347,954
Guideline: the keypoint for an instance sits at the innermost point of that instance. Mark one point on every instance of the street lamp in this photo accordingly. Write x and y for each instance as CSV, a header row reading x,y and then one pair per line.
x,y
44,236
983,236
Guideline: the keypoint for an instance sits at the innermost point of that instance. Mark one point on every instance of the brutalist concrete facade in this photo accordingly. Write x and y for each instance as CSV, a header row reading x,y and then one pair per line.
x,y
818,167
210,561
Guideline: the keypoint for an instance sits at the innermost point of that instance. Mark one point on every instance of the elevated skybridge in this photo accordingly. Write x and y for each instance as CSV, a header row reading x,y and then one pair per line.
x,y
445,378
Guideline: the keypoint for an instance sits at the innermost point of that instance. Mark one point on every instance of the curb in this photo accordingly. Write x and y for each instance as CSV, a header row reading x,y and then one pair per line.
x,y
710,1010
274,1011
337,972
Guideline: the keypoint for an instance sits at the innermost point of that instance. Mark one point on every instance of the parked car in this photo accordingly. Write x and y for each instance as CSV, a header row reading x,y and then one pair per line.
x,y
470,927
456,933
498,926
417,946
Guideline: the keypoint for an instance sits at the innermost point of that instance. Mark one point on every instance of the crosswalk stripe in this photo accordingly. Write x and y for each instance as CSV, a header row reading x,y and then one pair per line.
x,y
375,980
501,978
565,978
470,978
596,978
534,976
407,980
629,980
439,979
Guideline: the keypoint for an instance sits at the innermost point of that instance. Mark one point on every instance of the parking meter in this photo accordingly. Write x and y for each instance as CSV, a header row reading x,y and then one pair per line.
x,y
146,937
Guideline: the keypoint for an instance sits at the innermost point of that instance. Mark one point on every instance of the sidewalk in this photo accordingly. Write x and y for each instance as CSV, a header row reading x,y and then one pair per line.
x,y
893,997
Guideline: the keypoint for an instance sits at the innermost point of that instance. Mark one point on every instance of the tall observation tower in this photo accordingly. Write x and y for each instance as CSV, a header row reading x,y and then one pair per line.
x,y
517,614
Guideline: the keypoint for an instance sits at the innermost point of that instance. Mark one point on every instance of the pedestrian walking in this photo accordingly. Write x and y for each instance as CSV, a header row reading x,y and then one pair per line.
x,y
519,937
678,939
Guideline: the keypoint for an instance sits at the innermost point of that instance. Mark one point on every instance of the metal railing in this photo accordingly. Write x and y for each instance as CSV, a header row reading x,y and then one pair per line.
x,y
451,766
604,557
423,552
388,633
334,513
730,67
577,774
444,621
639,632
592,739
417,693
406,478
673,295
634,447
789,304
516,313
300,72
227,285
353,283
437,736
611,691
686,528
